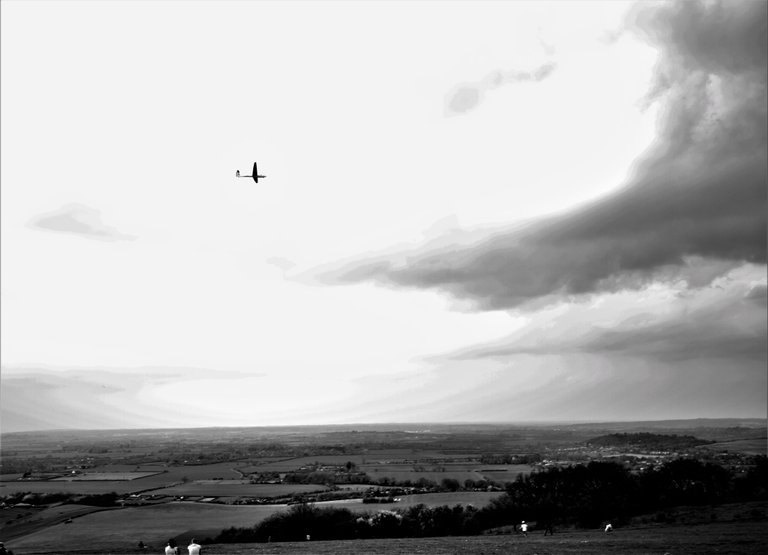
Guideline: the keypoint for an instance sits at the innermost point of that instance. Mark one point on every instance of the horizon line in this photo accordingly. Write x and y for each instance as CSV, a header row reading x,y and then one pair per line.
x,y
574,422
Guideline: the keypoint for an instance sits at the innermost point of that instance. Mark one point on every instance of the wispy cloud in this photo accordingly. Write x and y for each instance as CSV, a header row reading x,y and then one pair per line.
x,y
77,219
467,96
284,264
41,398
693,209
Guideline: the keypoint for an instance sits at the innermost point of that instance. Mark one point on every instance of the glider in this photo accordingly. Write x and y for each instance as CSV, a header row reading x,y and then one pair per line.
x,y
255,175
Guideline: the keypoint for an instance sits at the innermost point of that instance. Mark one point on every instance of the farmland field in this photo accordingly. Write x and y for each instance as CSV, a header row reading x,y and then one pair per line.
x,y
372,458
476,498
193,472
242,489
104,476
755,446
402,465
208,488
438,471
118,478
47,486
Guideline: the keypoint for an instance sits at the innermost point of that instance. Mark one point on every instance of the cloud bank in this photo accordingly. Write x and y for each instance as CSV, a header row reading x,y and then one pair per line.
x,y
36,398
693,209
77,219
725,322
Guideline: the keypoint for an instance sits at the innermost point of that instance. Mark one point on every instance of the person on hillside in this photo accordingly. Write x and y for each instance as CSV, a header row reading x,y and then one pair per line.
x,y
609,527
524,528
171,548
194,548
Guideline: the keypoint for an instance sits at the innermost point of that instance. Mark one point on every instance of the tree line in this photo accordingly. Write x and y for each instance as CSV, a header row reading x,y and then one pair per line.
x,y
581,495
525,458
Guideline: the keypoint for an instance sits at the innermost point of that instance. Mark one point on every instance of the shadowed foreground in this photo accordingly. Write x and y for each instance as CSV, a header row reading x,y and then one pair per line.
x,y
736,538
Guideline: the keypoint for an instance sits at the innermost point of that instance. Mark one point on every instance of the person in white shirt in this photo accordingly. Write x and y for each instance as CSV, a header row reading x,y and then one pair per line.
x,y
171,548
194,548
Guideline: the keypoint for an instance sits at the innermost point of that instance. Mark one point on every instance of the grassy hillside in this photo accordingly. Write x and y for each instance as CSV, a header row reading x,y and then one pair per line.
x,y
736,529
739,538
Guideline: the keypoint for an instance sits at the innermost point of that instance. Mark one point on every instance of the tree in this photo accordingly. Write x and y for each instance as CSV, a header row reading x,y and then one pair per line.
x,y
451,484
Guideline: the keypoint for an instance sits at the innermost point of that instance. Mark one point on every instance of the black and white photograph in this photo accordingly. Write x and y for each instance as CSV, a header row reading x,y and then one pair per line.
x,y
383,277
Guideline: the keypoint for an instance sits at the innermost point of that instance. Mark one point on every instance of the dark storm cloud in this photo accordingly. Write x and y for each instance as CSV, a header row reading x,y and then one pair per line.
x,y
79,220
699,193
467,97
686,340
720,36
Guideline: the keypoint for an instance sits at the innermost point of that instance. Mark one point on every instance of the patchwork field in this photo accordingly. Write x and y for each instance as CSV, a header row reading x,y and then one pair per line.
x,y
239,489
476,498
755,446
151,470
372,458
437,471
83,487
104,477
401,465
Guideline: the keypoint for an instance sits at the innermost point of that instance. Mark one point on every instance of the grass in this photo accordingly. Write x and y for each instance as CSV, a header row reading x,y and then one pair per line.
x,y
736,538
738,528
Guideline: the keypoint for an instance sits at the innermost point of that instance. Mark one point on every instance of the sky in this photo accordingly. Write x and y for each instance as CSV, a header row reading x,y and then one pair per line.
x,y
473,212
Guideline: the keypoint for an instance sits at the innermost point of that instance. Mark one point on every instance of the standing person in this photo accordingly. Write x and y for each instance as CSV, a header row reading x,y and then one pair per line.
x,y
524,528
171,548
194,548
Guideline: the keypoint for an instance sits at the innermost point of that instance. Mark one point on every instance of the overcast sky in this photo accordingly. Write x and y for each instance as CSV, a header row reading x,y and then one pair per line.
x,y
501,211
